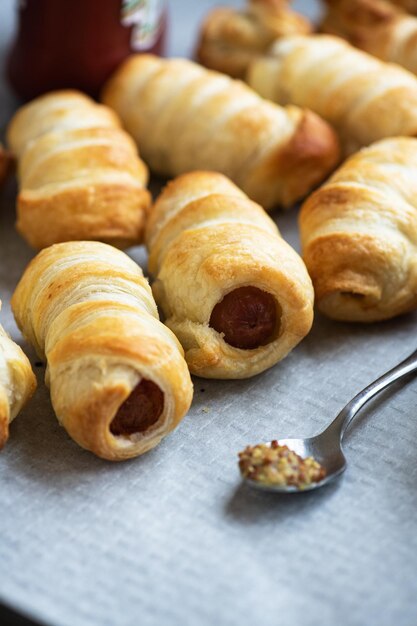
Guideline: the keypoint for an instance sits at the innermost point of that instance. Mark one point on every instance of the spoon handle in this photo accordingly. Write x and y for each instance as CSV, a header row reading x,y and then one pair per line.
x,y
346,415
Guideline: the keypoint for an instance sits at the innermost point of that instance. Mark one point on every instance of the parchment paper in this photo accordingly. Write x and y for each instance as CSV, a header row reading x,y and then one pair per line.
x,y
172,537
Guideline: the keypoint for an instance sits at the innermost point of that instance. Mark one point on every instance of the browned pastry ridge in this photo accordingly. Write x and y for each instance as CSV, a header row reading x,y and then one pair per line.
x,y
359,234
118,379
80,174
230,38
376,26
185,118
236,295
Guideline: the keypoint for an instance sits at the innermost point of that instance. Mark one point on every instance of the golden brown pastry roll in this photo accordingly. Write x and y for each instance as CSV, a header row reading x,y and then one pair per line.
x,y
359,234
185,118
363,98
230,39
17,382
118,379
80,174
236,295
376,26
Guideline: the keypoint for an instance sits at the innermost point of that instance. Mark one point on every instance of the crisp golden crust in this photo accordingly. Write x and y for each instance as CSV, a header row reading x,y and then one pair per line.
x,y
375,26
363,98
291,170
187,118
80,174
230,39
88,310
17,382
206,240
359,234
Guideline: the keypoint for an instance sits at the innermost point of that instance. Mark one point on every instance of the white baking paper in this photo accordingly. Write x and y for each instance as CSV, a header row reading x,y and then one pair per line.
x,y
173,538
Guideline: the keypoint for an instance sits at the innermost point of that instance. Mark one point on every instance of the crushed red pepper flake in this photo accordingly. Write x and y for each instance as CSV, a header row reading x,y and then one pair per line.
x,y
275,464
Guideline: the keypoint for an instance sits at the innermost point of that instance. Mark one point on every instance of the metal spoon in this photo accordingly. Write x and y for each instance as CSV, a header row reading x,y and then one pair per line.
x,y
326,447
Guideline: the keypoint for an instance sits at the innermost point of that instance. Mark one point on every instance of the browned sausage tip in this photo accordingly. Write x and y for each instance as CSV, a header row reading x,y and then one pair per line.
x,y
140,410
247,316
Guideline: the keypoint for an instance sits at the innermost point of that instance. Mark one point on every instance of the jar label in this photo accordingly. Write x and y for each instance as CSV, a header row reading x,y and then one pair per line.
x,y
146,17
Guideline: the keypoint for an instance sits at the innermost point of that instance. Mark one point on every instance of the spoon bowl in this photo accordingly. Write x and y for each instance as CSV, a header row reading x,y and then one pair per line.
x,y
332,460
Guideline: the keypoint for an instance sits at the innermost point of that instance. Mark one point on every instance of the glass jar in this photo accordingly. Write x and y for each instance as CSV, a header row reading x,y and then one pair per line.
x,y
78,43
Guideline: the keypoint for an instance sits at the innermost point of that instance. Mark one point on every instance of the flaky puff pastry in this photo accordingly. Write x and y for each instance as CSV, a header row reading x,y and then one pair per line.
x,y
185,117
359,234
17,382
364,98
230,38
376,26
80,174
236,295
118,379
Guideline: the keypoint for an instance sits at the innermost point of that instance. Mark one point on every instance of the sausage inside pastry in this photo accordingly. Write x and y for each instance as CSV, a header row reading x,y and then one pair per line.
x,y
17,382
185,118
359,234
118,379
237,296
80,174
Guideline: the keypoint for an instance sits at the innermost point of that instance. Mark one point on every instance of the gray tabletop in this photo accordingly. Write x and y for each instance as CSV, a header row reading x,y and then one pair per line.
x,y
173,537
